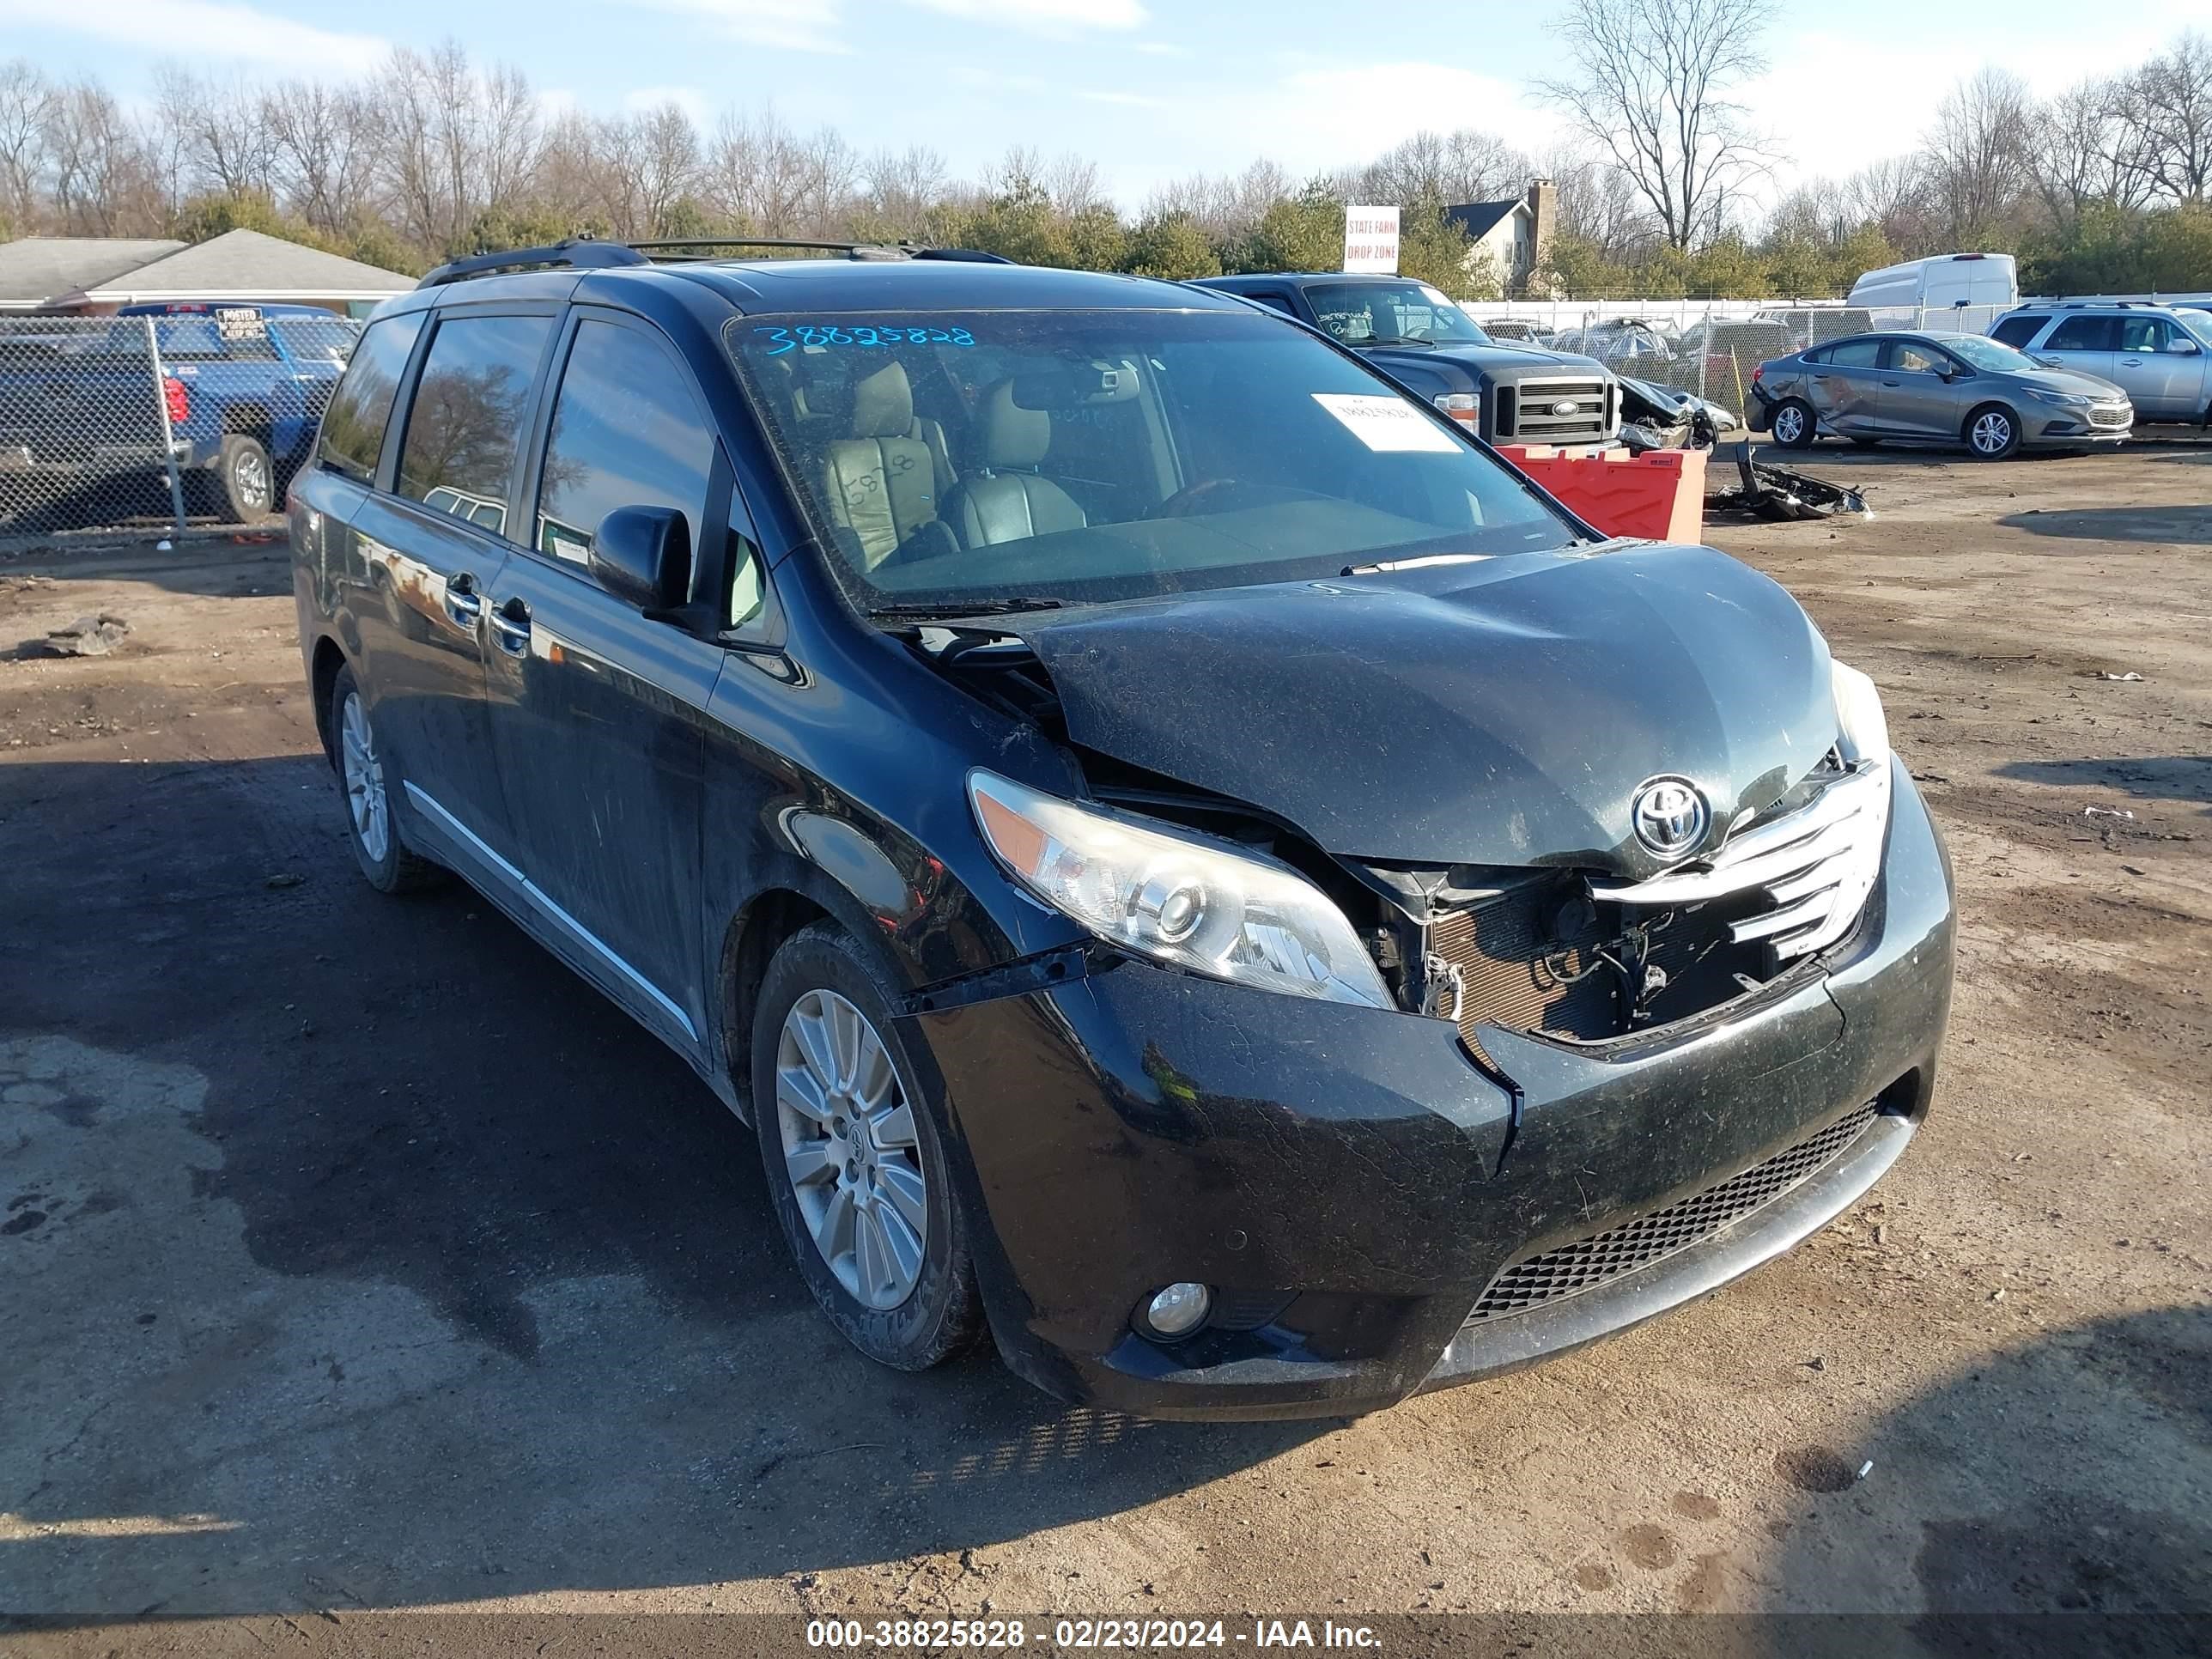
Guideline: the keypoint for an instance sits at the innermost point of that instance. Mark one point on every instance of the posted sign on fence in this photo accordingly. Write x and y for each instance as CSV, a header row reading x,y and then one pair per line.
x,y
1371,239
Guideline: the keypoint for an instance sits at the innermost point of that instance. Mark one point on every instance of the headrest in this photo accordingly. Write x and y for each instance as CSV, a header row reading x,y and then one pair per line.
x,y
883,404
1012,435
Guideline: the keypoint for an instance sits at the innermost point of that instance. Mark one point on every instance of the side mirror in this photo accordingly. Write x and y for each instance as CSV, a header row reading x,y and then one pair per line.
x,y
642,555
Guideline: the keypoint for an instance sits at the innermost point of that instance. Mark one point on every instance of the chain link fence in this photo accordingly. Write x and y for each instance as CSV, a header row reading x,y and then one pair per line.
x,y
161,422
1707,347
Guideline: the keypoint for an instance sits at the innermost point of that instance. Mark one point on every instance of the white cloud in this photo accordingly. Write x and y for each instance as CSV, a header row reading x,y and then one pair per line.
x,y
788,25
1047,14
1334,115
205,28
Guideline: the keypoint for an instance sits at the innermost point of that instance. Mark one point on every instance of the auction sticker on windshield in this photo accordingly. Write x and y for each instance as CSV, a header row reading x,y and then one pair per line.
x,y
1385,423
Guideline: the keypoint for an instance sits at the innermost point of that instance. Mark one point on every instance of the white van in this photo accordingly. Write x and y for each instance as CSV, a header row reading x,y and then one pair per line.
x,y
1953,293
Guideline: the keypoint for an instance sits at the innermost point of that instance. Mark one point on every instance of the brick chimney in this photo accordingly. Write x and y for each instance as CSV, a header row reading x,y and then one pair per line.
x,y
1543,215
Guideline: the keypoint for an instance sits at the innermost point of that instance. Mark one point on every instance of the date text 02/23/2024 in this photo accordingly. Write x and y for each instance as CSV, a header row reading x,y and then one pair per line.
x,y
1083,1634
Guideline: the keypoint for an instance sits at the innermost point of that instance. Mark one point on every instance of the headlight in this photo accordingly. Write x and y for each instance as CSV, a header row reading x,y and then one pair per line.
x,y
1858,712
2063,399
1464,407
1179,898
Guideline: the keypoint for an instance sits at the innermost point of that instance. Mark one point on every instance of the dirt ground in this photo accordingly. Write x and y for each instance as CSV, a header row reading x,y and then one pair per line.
x,y
354,1255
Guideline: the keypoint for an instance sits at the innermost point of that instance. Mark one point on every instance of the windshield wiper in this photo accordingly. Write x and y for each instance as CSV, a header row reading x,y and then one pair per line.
x,y
1393,340
925,612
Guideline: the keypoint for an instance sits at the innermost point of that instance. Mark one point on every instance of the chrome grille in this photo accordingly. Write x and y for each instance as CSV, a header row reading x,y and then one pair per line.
x,y
2111,418
1816,866
1589,1262
1532,422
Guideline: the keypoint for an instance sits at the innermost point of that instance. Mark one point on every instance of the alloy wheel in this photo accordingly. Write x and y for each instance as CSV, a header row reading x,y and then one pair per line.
x,y
1789,427
1993,434
251,475
850,1150
364,780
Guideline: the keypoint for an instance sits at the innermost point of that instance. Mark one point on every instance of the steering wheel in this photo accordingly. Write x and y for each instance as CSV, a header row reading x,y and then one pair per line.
x,y
1196,497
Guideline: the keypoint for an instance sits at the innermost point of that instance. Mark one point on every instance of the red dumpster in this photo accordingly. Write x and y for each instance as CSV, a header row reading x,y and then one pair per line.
x,y
1659,493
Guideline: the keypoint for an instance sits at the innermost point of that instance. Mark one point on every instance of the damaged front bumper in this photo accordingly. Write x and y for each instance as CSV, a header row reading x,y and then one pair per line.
x,y
1374,1213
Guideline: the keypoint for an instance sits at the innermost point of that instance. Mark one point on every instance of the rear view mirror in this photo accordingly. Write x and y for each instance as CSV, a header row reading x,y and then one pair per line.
x,y
642,555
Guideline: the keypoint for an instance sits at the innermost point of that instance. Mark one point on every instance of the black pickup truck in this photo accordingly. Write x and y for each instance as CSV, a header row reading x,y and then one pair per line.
x,y
1412,332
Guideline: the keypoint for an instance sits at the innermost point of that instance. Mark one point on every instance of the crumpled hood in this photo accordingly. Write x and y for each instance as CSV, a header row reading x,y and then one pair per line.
x,y
1497,713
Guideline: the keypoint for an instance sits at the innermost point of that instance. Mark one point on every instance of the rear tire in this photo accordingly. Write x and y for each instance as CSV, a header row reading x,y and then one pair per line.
x,y
366,783
1992,432
246,478
1794,425
849,1119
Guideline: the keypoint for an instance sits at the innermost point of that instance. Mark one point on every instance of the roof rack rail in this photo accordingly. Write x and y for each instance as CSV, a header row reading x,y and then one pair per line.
x,y
586,253
683,247
578,253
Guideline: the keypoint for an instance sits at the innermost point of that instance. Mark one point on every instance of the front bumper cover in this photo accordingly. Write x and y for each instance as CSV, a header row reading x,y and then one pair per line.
x,y
1349,1176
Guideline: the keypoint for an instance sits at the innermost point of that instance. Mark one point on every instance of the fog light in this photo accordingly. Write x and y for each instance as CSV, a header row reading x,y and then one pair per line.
x,y
1178,1310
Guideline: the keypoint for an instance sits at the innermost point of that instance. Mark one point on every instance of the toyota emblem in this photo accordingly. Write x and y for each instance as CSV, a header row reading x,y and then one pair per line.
x,y
1670,817
1566,408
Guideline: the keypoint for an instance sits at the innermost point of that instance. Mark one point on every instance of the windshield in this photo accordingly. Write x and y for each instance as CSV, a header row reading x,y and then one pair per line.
x,y
949,458
2198,322
1379,313
1992,354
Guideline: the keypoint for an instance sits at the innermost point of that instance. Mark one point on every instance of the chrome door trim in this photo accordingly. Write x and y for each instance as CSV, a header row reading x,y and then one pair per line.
x,y
538,898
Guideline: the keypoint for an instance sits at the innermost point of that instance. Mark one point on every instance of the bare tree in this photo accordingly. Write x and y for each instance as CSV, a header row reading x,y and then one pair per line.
x,y
1462,165
99,177
1599,204
1650,90
2166,108
26,107
2084,151
322,140
221,129
902,186
1980,151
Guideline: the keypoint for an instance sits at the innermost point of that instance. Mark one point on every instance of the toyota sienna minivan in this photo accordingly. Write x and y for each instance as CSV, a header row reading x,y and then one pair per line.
x,y
1188,863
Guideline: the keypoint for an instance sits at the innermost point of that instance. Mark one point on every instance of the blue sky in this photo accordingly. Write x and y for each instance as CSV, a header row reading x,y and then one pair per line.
x,y
1150,89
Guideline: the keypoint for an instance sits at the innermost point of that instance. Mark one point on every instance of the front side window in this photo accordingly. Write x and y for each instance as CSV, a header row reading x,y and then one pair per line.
x,y
625,434
2085,334
353,426
1916,359
465,424
955,458
1392,313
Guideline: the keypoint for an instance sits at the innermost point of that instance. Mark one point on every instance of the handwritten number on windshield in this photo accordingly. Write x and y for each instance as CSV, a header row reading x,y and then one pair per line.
x,y
825,336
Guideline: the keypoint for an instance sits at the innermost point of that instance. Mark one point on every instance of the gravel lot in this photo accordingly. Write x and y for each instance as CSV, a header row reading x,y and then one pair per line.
x,y
354,1255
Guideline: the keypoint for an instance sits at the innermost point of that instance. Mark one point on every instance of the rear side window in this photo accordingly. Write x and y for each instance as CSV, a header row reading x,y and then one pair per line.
x,y
2085,334
1855,353
360,408
625,434
2017,332
466,424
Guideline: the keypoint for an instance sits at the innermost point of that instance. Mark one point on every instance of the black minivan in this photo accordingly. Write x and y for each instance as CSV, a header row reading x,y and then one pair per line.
x,y
1184,858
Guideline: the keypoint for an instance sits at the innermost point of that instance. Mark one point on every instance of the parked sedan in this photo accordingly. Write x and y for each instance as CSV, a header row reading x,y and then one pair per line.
x,y
1950,388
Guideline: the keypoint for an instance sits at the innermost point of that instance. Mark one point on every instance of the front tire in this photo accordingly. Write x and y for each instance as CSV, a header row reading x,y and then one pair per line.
x,y
1992,432
367,784
849,1121
1794,426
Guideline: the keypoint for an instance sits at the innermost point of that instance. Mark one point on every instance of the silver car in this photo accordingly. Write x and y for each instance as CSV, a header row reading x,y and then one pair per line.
x,y
1946,388
2162,358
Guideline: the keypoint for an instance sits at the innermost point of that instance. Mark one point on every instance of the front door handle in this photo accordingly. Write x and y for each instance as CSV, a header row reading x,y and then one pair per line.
x,y
510,626
462,603
2130,363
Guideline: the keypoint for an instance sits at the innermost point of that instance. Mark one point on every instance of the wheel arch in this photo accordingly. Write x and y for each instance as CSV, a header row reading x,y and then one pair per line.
x,y
328,657
2002,407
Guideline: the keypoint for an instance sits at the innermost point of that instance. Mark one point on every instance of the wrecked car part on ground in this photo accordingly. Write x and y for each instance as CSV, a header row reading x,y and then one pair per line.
x,y
1768,491
1656,417
1263,916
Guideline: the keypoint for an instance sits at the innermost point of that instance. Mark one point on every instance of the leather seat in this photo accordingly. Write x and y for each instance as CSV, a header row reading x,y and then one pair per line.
x,y
881,483
1006,500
